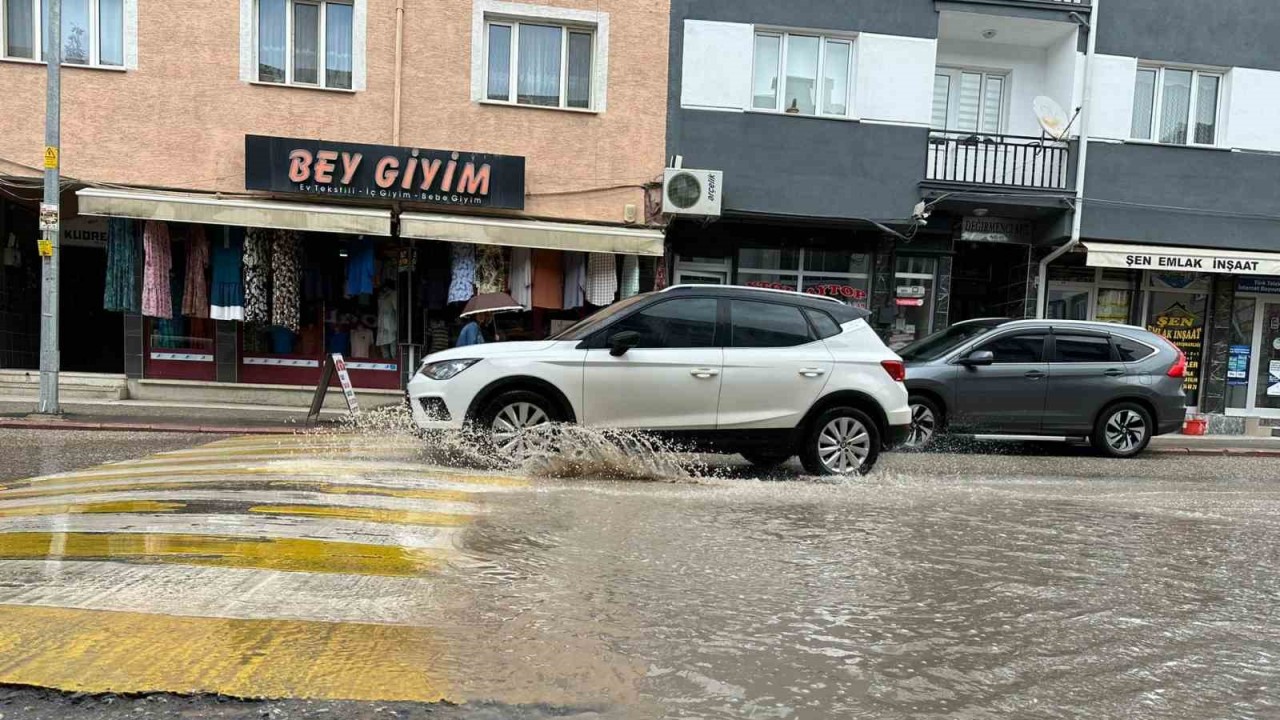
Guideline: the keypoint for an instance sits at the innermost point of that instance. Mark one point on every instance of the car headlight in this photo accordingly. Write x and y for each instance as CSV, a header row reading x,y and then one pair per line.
x,y
446,369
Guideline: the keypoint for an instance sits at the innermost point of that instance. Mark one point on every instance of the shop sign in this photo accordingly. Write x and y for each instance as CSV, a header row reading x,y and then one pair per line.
x,y
836,290
997,230
1185,263
383,172
1185,329
1258,284
909,302
1238,365
85,231
911,291
1273,378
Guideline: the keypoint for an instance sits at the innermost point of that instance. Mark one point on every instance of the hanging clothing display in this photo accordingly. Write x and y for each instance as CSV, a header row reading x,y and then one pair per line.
x,y
388,321
285,299
575,279
521,279
660,272
630,284
122,292
548,280
602,279
361,343
491,272
195,296
257,267
438,336
226,296
156,296
360,267
463,285
171,332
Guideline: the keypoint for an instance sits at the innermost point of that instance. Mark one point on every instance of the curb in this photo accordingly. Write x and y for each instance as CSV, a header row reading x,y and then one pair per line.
x,y
1229,452
143,427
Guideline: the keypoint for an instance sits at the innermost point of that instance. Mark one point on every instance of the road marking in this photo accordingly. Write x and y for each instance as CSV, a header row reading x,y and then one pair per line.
x,y
283,554
374,515
123,506
318,486
122,652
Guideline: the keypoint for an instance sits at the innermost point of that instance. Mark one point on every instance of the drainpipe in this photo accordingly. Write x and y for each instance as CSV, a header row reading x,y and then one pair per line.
x,y
1082,164
395,109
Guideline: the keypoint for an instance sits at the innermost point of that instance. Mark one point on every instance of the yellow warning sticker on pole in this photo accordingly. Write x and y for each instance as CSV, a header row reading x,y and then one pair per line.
x,y
50,158
45,247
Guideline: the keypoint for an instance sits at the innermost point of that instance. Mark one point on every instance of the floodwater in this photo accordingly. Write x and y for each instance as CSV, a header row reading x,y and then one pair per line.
x,y
950,585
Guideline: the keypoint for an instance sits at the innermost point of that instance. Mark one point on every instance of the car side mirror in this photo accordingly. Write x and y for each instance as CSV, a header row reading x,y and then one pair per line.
x,y
978,358
622,342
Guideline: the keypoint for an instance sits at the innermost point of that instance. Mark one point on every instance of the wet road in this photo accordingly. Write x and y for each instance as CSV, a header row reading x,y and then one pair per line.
x,y
945,585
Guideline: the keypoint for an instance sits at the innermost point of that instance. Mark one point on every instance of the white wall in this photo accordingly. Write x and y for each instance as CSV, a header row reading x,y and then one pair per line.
x,y
1026,70
894,80
1064,77
716,71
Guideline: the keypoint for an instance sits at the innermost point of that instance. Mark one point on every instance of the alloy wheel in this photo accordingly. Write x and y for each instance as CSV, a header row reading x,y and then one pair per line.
x,y
511,423
1125,431
843,445
923,426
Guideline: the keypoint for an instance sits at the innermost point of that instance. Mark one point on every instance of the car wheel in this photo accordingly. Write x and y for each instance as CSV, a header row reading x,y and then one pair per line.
x,y
766,460
926,423
841,441
506,419
1122,430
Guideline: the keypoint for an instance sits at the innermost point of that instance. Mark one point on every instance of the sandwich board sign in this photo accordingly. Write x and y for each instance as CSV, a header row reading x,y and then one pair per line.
x,y
334,364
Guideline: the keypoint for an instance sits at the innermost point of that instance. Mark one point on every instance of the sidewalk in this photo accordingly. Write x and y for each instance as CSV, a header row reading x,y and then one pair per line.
x,y
136,424
1233,445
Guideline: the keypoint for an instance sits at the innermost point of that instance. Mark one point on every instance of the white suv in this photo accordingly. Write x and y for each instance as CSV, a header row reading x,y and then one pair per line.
x,y
765,373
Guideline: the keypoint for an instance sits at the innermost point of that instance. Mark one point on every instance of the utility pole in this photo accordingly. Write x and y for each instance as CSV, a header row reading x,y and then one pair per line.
x,y
51,215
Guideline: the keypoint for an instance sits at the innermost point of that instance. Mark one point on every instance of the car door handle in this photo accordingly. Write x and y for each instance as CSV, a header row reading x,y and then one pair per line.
x,y
1113,372
812,372
1034,375
704,373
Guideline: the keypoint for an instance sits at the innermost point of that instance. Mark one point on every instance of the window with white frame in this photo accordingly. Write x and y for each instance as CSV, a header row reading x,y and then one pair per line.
x,y
834,273
537,63
305,42
969,100
92,31
1176,106
802,74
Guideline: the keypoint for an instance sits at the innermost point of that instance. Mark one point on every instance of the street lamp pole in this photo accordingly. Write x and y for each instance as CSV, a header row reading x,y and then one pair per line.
x,y
50,215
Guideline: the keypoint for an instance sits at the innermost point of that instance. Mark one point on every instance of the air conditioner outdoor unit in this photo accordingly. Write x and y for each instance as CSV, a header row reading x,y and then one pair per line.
x,y
692,192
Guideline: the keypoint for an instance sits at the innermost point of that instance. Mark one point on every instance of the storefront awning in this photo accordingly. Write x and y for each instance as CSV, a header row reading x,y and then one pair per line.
x,y
531,234
1182,259
238,211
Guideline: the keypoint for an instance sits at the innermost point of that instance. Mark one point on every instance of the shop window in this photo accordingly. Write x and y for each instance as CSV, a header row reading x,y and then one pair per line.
x,y
802,74
1240,351
1176,106
702,270
767,325
306,43
92,30
1179,317
539,56
1067,302
839,274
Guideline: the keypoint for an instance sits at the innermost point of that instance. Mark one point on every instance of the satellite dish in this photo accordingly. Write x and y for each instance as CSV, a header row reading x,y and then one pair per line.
x,y
1053,119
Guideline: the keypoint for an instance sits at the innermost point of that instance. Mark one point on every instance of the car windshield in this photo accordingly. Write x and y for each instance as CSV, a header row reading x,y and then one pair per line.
x,y
944,341
581,329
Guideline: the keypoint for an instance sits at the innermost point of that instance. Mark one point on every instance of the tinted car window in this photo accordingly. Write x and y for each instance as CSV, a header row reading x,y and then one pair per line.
x,y
758,324
1081,349
823,323
1132,350
944,341
683,323
1016,348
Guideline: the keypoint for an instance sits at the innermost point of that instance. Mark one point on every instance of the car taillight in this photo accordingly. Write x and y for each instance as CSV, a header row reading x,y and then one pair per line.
x,y
895,368
1179,367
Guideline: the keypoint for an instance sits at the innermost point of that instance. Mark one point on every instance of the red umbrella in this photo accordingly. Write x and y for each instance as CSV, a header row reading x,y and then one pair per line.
x,y
491,303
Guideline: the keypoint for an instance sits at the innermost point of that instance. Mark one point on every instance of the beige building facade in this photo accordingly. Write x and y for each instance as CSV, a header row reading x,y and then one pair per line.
x,y
158,106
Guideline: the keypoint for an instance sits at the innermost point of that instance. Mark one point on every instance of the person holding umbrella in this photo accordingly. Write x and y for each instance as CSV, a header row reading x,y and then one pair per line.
x,y
481,309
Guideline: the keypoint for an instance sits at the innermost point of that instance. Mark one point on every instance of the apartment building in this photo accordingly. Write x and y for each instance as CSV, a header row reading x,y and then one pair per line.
x,y
920,157
364,167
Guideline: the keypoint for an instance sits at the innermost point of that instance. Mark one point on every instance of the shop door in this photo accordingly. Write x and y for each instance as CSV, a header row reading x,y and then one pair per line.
x,y
91,338
1267,372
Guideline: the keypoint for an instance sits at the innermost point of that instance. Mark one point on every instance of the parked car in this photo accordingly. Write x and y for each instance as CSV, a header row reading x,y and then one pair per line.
x,y
766,373
1116,385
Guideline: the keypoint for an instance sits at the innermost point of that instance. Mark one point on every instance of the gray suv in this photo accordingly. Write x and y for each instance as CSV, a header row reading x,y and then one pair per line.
x,y
1049,379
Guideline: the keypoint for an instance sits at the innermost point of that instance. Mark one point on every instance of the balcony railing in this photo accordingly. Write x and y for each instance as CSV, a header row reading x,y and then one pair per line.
x,y
1008,160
